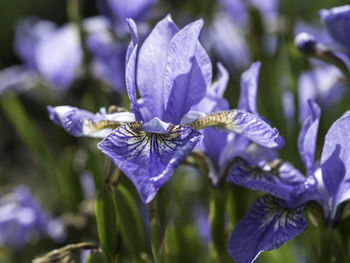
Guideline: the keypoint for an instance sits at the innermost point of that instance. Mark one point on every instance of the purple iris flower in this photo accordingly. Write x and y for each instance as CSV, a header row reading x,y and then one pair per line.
x,y
22,218
227,39
108,57
276,218
221,147
172,72
56,55
323,84
226,36
53,52
238,9
337,20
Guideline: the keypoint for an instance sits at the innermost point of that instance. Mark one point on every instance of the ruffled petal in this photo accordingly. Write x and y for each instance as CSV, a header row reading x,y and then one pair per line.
x,y
308,135
152,61
79,122
242,122
265,227
149,159
279,181
334,162
184,82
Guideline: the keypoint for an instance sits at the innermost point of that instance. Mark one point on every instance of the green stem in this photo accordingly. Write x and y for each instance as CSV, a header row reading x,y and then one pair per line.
x,y
217,210
74,14
325,245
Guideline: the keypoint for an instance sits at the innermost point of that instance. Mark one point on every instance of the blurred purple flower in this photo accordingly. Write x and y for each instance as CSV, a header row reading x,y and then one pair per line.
x,y
337,20
172,72
202,224
238,9
109,59
54,52
227,39
17,78
323,84
117,11
226,36
278,219
22,218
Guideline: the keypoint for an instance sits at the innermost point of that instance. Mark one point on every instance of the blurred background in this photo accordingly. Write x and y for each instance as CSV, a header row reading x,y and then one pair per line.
x,y
48,179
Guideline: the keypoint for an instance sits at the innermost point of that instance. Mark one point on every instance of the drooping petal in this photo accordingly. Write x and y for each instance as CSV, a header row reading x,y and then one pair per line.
x,y
335,161
244,123
265,227
184,82
149,159
17,79
59,56
308,135
249,88
278,181
337,20
84,123
151,67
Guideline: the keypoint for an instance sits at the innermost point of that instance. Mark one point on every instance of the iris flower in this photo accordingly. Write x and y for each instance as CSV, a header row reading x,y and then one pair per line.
x,y
172,75
22,218
220,146
337,20
277,217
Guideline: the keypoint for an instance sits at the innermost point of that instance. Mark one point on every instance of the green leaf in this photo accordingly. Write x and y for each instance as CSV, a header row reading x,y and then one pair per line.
x,y
129,221
106,222
97,257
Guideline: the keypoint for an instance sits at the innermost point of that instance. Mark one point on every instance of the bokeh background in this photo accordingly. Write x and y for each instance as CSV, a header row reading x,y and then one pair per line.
x,y
63,172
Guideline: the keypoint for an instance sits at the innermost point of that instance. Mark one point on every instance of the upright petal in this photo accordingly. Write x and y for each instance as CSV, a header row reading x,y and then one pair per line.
x,y
242,122
184,82
249,88
149,159
213,100
337,20
130,69
335,161
308,135
265,227
84,123
152,61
